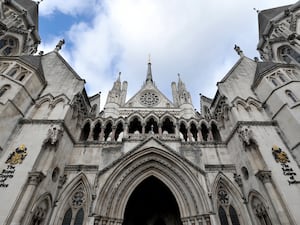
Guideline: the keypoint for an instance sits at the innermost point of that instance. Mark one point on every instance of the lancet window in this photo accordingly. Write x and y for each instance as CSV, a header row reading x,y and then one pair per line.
x,y
74,215
85,132
168,126
226,211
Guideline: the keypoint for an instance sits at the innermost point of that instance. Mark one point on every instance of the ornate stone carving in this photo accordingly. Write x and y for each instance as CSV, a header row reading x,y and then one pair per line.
x,y
17,156
62,180
279,155
246,135
35,178
78,198
223,197
264,176
55,132
238,179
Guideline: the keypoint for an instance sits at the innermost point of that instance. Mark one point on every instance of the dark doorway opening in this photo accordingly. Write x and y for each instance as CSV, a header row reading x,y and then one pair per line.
x,y
152,203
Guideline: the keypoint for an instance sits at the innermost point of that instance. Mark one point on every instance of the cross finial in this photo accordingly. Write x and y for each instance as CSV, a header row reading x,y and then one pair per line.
x,y
149,58
256,10
238,50
59,45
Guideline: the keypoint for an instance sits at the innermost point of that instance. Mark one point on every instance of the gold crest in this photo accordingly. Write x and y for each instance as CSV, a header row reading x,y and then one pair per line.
x,y
17,156
279,155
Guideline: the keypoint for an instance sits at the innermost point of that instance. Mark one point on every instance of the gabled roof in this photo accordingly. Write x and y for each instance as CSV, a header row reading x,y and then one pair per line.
x,y
264,67
265,16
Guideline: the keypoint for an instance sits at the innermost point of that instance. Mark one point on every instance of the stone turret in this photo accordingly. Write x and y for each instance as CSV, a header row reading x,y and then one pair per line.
x,y
18,27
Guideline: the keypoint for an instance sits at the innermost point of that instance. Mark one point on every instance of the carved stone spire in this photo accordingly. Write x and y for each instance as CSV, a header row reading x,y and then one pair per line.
x,y
149,73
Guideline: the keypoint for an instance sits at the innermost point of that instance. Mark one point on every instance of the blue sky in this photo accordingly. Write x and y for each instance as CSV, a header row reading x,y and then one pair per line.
x,y
194,38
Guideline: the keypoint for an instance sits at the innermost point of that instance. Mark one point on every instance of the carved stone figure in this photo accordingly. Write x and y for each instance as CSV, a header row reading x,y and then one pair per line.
x,y
246,135
54,134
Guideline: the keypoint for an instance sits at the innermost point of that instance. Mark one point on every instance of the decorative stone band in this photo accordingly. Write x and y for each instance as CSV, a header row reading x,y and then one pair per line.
x,y
100,220
196,220
264,176
34,178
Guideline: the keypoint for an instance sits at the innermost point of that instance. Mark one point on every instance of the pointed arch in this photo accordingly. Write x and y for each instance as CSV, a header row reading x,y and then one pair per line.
x,y
169,116
259,208
69,199
230,198
163,165
40,210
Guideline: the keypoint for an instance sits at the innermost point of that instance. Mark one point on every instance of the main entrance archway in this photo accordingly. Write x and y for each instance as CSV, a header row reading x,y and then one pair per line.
x,y
152,203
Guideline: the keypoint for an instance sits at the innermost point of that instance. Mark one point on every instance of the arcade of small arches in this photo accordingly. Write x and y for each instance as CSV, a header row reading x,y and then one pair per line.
x,y
137,128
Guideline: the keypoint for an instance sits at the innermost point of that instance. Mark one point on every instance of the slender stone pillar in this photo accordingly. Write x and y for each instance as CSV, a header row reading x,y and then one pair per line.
x,y
33,181
101,136
265,177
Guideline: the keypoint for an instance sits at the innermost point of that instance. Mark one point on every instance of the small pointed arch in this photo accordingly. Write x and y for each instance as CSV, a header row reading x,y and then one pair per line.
x,y
4,89
204,130
40,211
230,199
167,125
151,125
97,129
46,98
61,98
194,130
241,104
291,96
255,103
12,72
73,201
119,133
135,124
215,131
108,130
151,115
259,208
183,130
85,131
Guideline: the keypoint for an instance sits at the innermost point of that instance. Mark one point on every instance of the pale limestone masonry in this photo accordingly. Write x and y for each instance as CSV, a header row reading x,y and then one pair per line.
x,y
147,159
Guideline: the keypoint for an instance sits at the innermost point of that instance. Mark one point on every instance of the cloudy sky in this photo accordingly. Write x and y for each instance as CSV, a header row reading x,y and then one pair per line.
x,y
193,37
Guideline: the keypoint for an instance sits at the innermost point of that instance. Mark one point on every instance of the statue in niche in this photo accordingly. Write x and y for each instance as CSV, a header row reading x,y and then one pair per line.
x,y
54,134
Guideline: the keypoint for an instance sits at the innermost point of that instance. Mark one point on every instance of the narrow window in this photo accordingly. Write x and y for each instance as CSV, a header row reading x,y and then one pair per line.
x,y
79,217
85,132
274,82
67,217
233,216
291,95
281,77
4,89
222,216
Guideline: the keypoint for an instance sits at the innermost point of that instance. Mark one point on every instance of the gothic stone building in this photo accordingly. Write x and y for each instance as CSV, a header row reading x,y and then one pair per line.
x,y
149,160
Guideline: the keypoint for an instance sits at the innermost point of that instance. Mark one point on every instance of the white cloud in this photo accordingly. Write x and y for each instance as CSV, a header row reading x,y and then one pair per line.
x,y
194,38
69,7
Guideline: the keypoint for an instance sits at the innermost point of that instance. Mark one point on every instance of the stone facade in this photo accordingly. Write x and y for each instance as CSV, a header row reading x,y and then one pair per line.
x,y
149,160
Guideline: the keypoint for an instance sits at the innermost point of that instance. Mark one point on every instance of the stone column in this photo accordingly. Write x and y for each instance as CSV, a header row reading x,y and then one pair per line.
x,y
34,179
199,134
159,129
177,130
143,128
113,133
209,136
101,135
265,177
90,137
126,130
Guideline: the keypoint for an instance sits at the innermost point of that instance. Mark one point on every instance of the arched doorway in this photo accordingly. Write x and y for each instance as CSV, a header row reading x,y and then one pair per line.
x,y
152,203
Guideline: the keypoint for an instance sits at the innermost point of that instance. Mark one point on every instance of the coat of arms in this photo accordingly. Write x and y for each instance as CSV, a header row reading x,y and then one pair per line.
x,y
17,156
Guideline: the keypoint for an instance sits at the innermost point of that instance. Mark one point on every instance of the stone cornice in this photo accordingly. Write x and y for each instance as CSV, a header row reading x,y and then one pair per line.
x,y
60,122
249,123
81,167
